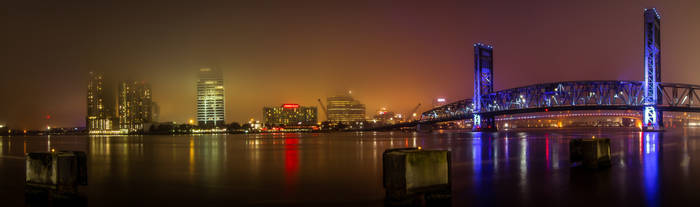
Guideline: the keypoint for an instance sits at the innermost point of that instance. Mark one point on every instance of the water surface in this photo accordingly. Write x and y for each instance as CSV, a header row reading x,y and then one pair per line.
x,y
344,169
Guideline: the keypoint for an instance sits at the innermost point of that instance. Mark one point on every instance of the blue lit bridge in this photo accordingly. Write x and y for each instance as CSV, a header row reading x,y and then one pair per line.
x,y
651,97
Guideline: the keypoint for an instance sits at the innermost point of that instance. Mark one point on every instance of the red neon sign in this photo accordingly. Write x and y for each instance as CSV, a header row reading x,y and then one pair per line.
x,y
290,106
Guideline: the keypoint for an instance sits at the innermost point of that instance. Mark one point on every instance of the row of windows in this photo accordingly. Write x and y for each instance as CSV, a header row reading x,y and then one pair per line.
x,y
202,102
210,105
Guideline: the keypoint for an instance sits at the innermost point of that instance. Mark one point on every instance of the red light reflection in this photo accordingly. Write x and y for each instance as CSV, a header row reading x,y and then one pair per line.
x,y
291,160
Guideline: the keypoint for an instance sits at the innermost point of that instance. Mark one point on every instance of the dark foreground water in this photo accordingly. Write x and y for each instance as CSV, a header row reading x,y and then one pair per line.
x,y
344,169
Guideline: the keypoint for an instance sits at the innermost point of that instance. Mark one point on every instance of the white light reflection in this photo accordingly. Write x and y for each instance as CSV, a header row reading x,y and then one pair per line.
x,y
505,146
523,165
495,154
685,161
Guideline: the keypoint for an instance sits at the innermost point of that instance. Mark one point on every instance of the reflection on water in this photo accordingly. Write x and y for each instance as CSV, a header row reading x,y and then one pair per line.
x,y
476,156
291,160
527,168
192,163
651,167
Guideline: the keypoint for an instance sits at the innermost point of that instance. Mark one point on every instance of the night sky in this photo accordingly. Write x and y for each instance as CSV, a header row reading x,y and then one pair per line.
x,y
394,54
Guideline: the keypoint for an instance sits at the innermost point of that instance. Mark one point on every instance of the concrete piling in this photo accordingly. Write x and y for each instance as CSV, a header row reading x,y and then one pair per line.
x,y
591,153
55,173
416,176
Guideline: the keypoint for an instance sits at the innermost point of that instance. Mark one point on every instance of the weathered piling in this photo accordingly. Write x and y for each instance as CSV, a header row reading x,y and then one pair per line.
x,y
591,153
55,173
412,175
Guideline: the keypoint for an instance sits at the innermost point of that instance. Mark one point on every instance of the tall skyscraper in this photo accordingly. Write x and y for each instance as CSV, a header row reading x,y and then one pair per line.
x,y
210,98
99,114
134,105
345,109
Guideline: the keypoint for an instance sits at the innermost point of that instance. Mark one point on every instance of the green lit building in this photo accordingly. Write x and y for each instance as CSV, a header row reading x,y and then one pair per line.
x,y
210,98
345,109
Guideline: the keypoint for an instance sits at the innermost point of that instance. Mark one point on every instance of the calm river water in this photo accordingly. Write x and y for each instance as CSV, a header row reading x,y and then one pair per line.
x,y
344,169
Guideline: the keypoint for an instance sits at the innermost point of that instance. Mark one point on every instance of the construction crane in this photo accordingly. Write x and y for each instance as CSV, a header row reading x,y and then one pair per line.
x,y
413,111
323,107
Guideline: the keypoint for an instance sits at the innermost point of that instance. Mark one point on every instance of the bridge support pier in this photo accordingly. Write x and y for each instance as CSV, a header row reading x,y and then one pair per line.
x,y
483,123
483,85
652,71
653,120
424,127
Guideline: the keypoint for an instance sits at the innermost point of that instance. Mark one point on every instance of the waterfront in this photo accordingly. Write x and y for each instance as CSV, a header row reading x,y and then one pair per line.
x,y
344,169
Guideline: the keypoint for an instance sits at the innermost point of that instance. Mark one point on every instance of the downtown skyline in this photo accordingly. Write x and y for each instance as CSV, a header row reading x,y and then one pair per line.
x,y
391,56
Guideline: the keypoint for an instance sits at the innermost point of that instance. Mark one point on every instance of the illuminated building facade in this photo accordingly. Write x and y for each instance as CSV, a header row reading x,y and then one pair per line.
x,y
135,108
383,116
99,114
210,98
345,109
290,115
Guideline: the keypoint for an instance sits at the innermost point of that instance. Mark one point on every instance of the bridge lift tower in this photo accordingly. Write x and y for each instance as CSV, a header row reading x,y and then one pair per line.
x,y
653,118
483,85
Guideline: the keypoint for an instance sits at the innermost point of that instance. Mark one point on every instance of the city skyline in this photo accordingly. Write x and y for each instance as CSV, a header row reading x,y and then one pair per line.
x,y
417,56
350,103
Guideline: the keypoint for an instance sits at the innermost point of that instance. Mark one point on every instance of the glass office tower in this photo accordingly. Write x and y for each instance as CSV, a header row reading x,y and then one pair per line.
x,y
210,98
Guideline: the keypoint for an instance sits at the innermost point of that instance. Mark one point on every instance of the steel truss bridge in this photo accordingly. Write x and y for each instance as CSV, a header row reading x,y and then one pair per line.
x,y
569,96
651,96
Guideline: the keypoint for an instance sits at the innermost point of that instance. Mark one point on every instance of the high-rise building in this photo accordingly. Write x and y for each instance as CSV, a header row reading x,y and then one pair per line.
x,y
290,115
99,114
210,98
134,105
345,109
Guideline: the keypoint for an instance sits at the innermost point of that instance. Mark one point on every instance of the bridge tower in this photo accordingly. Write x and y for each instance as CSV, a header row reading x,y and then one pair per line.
x,y
483,85
652,70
